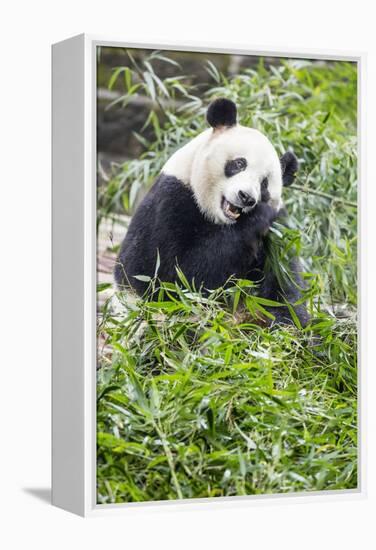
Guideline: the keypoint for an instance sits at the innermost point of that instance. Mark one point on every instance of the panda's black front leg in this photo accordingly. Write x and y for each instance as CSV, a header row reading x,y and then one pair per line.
x,y
290,292
256,228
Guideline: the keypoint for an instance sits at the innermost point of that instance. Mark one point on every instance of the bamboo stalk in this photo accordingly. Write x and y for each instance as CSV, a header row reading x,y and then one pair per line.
x,y
324,195
170,460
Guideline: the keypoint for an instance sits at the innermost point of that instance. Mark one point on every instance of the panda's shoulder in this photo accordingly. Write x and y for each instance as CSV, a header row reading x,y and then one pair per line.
x,y
175,201
170,188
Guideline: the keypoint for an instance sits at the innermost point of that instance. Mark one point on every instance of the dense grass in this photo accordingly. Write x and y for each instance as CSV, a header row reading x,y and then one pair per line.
x,y
197,398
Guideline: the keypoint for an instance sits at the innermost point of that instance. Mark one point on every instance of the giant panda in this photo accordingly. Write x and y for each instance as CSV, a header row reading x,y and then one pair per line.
x,y
209,212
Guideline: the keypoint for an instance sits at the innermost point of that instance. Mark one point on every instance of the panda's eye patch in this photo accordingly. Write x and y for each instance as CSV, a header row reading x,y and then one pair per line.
x,y
264,183
235,166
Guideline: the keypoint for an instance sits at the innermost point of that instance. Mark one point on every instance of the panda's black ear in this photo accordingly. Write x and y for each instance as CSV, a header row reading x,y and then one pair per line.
x,y
221,112
289,165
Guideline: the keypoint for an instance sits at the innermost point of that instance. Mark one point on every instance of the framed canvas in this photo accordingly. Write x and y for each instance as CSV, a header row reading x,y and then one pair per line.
x,y
208,291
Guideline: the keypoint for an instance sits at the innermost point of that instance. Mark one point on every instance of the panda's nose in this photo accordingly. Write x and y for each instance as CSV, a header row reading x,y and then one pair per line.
x,y
246,199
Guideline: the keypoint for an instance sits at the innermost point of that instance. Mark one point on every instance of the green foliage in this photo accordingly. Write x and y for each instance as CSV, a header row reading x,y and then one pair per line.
x,y
192,402
197,399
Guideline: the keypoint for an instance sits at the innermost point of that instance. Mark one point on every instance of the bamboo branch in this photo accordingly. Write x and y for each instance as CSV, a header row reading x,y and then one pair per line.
x,y
170,459
324,195
142,78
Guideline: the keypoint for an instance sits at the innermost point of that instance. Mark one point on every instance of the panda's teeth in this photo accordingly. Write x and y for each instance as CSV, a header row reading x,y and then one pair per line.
x,y
231,211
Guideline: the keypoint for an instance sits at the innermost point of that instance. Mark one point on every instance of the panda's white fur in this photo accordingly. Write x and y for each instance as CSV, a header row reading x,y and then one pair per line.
x,y
200,165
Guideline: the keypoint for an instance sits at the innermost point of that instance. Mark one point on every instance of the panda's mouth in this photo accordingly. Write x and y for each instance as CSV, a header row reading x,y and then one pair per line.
x,y
231,211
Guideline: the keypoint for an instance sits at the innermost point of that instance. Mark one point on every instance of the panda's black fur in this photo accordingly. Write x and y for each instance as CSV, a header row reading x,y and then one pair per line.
x,y
169,221
221,112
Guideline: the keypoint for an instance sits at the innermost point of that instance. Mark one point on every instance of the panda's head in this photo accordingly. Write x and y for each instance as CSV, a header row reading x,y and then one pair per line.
x,y
231,168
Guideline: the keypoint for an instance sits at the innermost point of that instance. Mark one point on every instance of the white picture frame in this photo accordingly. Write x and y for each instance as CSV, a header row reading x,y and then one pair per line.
x,y
74,275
